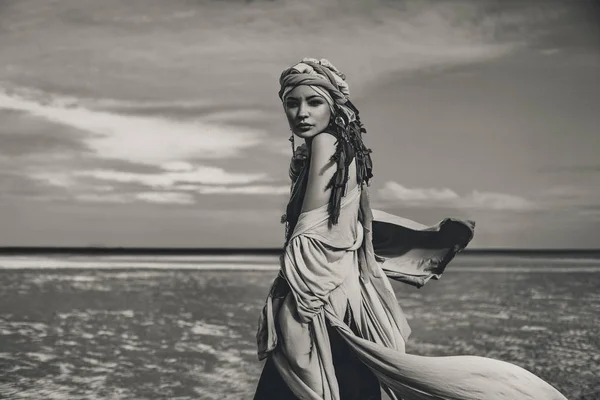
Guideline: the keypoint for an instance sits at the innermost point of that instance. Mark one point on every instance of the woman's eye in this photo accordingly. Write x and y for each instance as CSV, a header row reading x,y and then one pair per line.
x,y
315,103
290,104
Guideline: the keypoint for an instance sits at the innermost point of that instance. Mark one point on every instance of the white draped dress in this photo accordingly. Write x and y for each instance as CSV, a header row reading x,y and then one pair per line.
x,y
332,268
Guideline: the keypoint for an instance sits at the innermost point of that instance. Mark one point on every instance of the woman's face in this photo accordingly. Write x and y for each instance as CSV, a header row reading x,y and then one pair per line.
x,y
308,113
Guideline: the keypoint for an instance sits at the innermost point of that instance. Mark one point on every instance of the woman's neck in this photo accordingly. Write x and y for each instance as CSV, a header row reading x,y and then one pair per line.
x,y
308,142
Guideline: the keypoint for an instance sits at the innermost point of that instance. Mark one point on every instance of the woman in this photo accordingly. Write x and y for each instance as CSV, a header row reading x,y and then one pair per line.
x,y
331,327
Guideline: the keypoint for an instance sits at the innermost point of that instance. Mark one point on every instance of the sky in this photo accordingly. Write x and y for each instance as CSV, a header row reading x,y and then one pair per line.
x,y
157,124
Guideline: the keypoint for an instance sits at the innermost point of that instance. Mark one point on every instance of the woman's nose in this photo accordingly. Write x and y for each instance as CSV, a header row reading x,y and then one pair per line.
x,y
302,111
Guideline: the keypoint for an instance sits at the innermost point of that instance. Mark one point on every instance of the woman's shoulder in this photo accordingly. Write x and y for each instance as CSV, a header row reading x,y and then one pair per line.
x,y
323,145
322,169
325,137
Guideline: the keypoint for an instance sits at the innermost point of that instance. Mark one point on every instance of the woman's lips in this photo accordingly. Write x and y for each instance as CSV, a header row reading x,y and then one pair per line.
x,y
304,127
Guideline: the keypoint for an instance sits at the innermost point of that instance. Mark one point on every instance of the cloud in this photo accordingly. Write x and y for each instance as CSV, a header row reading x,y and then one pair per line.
x,y
430,197
178,184
211,51
147,197
177,166
590,214
20,139
181,177
572,196
389,37
160,93
197,174
66,184
104,198
166,197
55,179
497,201
397,191
566,192
146,140
247,190
550,52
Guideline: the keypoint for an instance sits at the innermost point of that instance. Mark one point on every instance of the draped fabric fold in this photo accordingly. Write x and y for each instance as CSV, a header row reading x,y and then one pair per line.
x,y
328,272
414,253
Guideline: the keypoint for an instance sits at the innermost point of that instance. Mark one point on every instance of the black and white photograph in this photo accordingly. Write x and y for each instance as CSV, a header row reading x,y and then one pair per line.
x,y
299,199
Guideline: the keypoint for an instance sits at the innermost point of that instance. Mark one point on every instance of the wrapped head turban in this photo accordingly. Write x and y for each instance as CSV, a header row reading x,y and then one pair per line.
x,y
325,79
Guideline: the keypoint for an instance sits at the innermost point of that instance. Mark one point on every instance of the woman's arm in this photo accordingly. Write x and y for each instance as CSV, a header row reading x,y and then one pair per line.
x,y
322,168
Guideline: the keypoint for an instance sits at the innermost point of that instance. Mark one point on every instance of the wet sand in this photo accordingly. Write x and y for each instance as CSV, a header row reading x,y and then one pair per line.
x,y
88,333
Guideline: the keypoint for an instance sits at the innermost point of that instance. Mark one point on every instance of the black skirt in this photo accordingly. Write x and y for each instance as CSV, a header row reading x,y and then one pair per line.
x,y
355,380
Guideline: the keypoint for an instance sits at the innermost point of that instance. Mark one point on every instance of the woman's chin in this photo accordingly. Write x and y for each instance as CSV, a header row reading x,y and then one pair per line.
x,y
307,134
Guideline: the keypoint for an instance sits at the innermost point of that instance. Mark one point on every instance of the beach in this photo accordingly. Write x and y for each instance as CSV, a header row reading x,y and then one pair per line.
x,y
183,327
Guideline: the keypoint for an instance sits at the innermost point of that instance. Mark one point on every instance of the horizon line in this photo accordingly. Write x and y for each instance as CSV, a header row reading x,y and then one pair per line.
x,y
7,250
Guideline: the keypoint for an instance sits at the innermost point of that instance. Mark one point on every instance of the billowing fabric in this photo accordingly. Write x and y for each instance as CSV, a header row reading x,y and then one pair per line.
x,y
414,253
331,271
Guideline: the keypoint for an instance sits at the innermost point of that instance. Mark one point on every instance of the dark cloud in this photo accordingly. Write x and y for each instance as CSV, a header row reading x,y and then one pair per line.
x,y
21,135
95,162
16,187
577,27
18,144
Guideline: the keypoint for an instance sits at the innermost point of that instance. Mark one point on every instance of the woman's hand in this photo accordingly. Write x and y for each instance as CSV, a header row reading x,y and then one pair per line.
x,y
298,159
301,152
